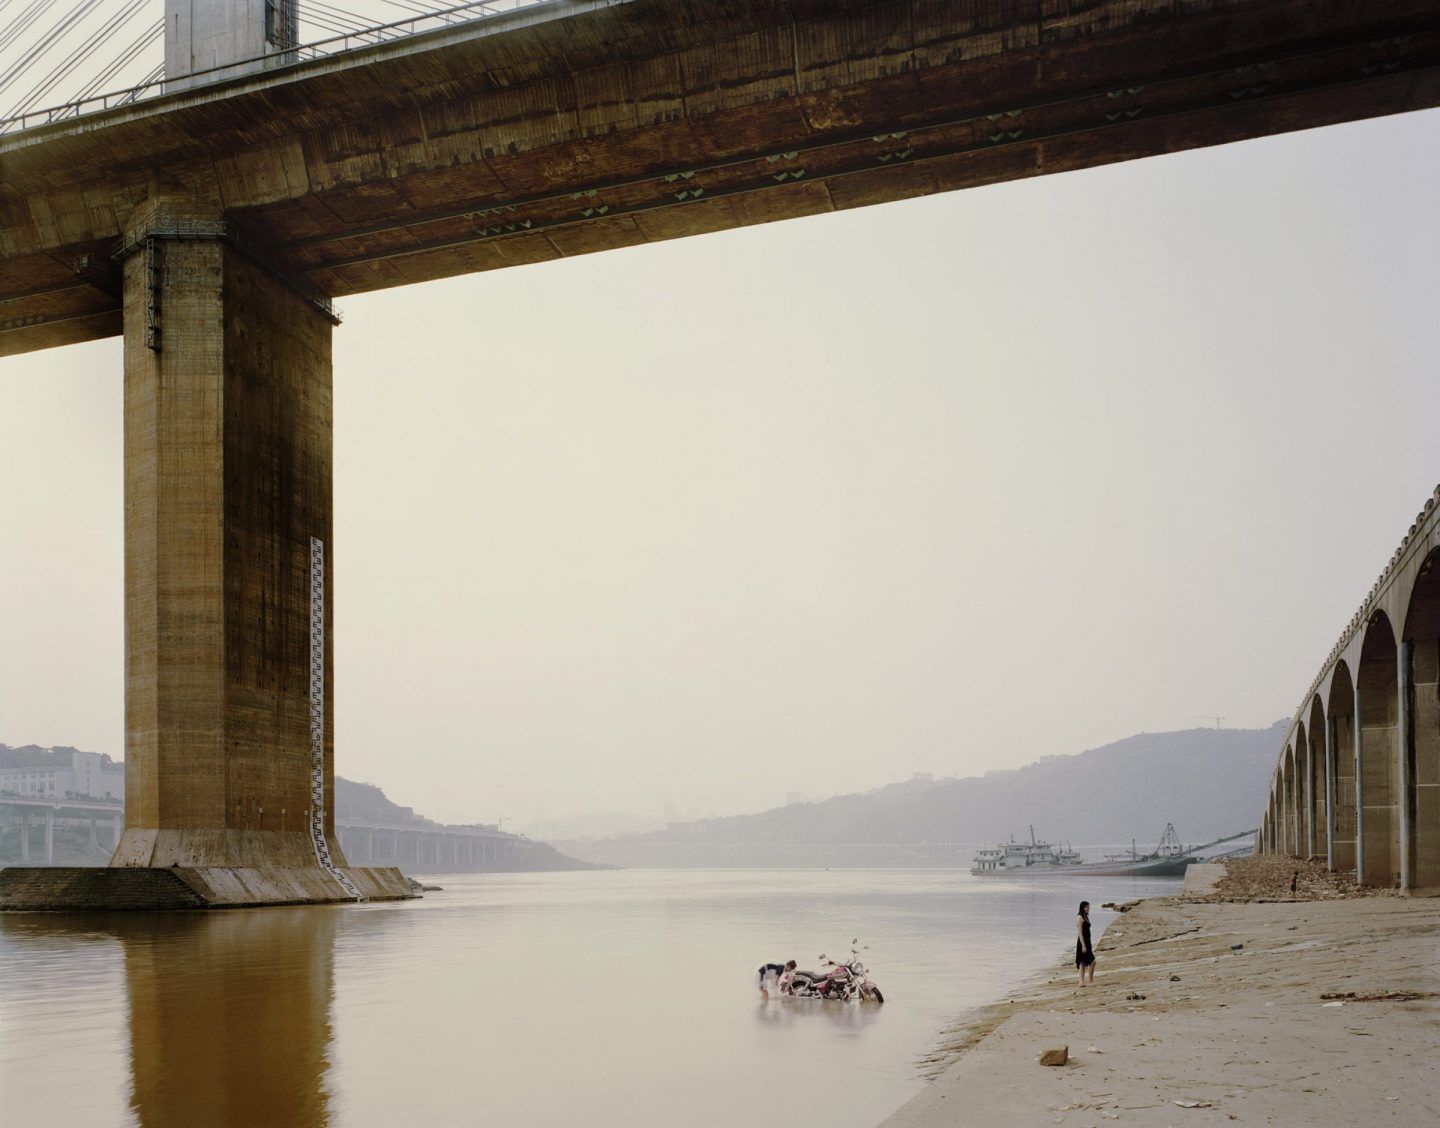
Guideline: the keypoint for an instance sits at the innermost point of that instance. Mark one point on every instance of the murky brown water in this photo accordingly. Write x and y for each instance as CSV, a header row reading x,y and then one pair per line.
x,y
547,999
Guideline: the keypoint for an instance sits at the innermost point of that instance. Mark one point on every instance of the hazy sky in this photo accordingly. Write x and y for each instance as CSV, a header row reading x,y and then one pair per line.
x,y
943,485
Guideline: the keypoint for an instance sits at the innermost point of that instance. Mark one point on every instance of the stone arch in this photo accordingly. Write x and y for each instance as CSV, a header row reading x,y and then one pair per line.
x,y
1340,710
1377,687
1319,804
1421,746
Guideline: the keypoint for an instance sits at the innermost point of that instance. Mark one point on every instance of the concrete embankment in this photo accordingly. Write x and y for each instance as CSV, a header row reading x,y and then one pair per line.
x,y
1247,1005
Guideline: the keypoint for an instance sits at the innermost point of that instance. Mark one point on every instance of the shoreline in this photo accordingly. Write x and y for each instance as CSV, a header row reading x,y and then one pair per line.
x,y
1246,1004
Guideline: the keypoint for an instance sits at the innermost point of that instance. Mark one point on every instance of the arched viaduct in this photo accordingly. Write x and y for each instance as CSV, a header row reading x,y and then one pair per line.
x,y
1357,783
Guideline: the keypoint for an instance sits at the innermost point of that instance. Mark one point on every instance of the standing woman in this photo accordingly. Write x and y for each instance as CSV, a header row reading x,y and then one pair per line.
x,y
1084,950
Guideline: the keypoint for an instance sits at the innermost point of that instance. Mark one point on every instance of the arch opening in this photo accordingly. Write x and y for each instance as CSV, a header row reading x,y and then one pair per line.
x,y
1341,712
1377,686
1421,747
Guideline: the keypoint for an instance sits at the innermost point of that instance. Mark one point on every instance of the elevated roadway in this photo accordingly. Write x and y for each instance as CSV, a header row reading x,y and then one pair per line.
x,y
583,125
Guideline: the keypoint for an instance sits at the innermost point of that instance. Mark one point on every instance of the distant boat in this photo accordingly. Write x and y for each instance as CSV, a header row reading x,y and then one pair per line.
x,y
1037,858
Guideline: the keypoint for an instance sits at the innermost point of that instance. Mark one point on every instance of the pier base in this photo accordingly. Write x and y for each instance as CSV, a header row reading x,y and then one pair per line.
x,y
144,888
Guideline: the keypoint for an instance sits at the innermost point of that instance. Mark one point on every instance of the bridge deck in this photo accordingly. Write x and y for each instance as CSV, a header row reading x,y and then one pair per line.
x,y
581,126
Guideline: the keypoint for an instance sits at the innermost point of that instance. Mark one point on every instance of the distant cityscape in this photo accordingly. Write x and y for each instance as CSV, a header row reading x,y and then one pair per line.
x,y
32,772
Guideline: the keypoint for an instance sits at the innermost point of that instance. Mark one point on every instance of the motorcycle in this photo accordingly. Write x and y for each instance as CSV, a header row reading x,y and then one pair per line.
x,y
841,981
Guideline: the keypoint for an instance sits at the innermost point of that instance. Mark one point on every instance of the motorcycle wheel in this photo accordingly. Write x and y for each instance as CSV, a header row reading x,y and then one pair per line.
x,y
875,991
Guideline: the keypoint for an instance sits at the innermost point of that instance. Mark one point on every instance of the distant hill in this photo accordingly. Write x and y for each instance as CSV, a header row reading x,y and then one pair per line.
x,y
1208,782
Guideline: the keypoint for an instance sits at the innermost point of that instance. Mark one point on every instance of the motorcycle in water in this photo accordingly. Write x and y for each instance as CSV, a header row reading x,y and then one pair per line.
x,y
841,981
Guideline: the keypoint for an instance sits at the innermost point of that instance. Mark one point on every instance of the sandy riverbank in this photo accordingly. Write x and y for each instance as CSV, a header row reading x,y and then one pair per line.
x,y
1213,1009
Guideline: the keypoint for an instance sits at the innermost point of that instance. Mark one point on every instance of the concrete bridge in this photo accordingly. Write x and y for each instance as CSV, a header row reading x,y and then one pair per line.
x,y
428,848
27,814
1357,784
212,226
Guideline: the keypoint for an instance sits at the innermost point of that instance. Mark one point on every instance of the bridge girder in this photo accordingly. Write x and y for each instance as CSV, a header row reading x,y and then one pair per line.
x,y
582,126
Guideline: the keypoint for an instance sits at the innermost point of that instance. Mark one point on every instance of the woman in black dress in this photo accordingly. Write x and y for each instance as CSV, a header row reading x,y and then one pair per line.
x,y
1084,950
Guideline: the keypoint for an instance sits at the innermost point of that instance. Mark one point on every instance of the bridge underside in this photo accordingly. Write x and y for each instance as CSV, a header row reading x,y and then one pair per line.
x,y
581,127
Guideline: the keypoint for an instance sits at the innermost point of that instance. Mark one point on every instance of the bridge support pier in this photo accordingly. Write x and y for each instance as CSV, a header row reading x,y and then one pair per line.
x,y
1330,793
1404,766
228,706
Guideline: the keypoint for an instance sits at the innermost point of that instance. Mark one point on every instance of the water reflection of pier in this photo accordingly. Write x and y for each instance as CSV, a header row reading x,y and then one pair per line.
x,y
238,1031
229,1012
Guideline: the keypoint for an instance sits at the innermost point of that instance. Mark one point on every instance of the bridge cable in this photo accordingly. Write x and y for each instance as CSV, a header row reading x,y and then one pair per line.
x,y
38,50
138,47
450,14
329,18
21,24
334,12
80,54
135,93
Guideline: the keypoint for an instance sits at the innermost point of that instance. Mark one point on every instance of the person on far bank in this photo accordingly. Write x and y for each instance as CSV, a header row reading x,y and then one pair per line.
x,y
1084,950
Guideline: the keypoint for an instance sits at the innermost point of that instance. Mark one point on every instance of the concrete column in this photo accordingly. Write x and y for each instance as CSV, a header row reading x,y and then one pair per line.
x,y
1358,729
227,479
1296,806
1309,797
243,36
1405,745
49,838
116,825
24,835
1343,808
1279,813
1292,842
1329,793
1424,715
1380,754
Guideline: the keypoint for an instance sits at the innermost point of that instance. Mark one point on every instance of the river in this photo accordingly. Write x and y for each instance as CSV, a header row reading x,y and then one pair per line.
x,y
594,998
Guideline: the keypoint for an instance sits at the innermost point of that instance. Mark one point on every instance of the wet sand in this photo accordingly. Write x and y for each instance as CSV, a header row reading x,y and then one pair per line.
x,y
1327,1013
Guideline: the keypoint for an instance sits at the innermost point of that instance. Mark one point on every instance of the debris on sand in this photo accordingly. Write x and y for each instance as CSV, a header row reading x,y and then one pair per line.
x,y
1284,879
1381,996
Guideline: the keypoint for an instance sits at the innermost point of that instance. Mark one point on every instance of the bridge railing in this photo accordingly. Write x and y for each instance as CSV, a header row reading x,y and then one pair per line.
x,y
334,45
